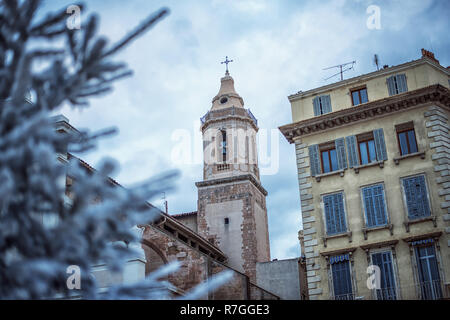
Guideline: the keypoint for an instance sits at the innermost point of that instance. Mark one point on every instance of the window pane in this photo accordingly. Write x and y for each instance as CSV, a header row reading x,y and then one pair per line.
x,y
326,161
403,143
363,93
372,152
355,96
334,163
363,152
412,141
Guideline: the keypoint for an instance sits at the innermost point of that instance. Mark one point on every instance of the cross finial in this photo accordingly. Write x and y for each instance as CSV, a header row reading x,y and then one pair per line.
x,y
226,62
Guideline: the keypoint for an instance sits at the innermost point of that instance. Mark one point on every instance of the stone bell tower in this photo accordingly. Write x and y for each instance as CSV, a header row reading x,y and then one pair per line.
x,y
232,209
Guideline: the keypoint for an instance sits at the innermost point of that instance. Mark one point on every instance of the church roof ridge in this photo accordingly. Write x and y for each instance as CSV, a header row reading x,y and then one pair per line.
x,y
183,214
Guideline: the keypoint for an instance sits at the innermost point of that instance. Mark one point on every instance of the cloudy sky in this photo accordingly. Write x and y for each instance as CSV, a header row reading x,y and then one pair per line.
x,y
278,47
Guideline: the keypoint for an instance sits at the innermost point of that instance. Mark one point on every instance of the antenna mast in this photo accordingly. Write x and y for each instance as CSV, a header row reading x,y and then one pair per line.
x,y
376,60
165,203
341,70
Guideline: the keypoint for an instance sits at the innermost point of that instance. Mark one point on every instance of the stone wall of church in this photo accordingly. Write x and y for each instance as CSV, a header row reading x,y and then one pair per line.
x,y
212,226
196,268
193,269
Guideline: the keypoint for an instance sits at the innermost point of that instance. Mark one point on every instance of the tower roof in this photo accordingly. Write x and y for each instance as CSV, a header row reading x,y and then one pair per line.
x,y
227,96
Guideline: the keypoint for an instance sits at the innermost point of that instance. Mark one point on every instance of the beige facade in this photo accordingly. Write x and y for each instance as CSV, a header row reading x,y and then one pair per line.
x,y
371,203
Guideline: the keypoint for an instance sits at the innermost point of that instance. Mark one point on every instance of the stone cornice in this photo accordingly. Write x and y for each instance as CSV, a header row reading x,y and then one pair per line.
x,y
433,235
378,108
231,113
381,244
244,177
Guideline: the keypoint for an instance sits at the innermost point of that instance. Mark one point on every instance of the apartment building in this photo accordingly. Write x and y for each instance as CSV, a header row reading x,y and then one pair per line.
x,y
373,159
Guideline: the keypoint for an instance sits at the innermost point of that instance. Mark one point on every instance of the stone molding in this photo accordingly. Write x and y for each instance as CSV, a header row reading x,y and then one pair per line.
x,y
244,177
436,94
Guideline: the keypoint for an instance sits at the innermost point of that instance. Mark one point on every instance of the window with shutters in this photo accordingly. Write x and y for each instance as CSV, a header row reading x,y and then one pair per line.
x,y
374,205
366,148
416,197
334,212
388,287
327,157
341,277
322,105
397,84
406,138
359,96
428,270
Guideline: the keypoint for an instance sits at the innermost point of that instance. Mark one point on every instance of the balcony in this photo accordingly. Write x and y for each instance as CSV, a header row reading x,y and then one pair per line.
x,y
347,296
428,290
223,167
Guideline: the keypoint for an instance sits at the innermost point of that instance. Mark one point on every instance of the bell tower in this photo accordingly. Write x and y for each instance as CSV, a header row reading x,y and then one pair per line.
x,y
232,209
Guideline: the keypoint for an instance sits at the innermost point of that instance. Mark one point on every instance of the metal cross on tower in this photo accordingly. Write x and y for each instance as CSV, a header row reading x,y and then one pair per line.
x,y
226,62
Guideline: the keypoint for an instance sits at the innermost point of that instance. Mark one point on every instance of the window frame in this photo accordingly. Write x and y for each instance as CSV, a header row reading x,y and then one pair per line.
x,y
330,162
366,137
224,145
403,130
358,89
327,147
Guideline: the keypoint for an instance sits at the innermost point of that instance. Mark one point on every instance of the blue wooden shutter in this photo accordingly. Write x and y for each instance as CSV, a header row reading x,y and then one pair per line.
x,y
329,214
401,83
316,106
340,151
384,261
379,205
340,212
314,160
335,213
326,103
416,197
368,206
353,159
391,85
374,205
380,145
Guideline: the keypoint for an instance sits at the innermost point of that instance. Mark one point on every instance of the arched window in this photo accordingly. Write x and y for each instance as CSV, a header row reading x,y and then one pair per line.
x,y
224,145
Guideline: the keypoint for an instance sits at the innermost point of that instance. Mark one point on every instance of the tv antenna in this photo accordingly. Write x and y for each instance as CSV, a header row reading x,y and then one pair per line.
x,y
165,202
376,61
341,69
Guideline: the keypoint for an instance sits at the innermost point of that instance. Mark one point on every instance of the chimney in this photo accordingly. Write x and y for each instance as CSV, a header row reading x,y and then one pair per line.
x,y
429,54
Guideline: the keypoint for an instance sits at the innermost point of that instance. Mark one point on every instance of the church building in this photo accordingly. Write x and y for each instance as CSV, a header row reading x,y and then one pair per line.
x,y
229,230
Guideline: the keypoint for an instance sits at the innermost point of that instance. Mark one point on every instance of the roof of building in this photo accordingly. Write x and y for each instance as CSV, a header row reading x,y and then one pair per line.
x,y
184,214
427,57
